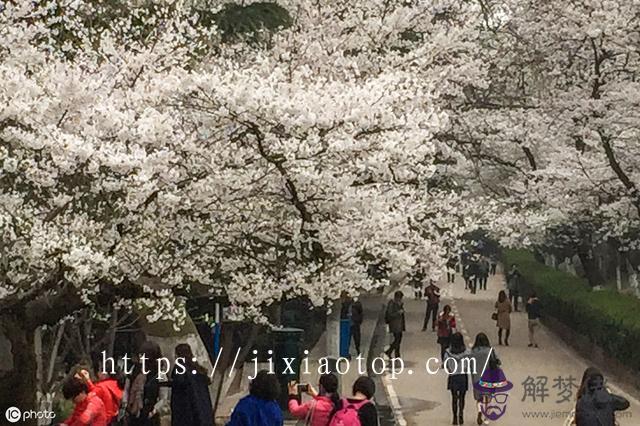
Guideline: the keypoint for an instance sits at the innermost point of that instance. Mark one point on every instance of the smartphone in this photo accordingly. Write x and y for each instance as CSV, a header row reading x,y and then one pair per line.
x,y
303,387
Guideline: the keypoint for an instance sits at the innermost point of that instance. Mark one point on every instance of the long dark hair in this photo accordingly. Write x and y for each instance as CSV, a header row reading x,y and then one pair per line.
x,y
329,386
265,386
482,341
183,350
457,343
588,380
502,296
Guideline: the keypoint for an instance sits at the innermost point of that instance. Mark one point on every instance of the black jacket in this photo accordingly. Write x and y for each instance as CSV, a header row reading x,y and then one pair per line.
x,y
534,309
190,399
394,316
597,406
352,310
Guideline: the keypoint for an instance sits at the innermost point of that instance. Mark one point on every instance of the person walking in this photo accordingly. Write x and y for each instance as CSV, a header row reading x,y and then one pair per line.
x,y
503,317
352,310
595,405
323,403
458,379
493,264
417,281
433,301
394,317
446,327
474,274
259,408
483,273
483,354
359,410
146,399
190,398
451,269
357,316
534,313
466,274
88,407
513,285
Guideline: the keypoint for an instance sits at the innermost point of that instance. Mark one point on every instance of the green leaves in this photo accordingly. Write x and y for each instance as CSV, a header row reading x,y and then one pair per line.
x,y
611,320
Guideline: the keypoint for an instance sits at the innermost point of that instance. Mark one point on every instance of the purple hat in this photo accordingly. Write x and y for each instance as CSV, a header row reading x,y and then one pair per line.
x,y
493,381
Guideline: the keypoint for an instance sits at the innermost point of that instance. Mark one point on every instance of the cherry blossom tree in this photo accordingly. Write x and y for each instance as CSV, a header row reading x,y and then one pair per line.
x,y
149,153
552,133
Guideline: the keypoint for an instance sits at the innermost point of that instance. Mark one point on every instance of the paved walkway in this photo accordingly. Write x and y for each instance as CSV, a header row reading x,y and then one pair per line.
x,y
423,398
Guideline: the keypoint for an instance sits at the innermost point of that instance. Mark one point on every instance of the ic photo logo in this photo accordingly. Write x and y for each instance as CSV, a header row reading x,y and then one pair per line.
x,y
13,414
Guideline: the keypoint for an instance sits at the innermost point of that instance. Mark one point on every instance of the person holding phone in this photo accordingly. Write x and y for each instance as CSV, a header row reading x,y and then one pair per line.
x,y
318,410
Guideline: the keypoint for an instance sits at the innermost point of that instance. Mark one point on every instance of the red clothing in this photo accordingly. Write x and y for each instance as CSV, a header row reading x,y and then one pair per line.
x,y
89,412
109,393
322,407
446,325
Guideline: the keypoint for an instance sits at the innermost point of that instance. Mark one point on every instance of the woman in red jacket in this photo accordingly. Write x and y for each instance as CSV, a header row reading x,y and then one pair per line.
x,y
446,327
108,389
317,411
88,410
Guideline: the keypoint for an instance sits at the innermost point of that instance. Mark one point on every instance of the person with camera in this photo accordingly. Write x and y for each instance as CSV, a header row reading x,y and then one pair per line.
x,y
318,410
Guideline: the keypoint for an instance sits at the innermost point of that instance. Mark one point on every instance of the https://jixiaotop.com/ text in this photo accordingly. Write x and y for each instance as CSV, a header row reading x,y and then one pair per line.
x,y
290,366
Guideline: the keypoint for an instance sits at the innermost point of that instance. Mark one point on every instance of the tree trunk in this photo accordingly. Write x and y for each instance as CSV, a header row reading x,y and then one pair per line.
x,y
590,266
18,386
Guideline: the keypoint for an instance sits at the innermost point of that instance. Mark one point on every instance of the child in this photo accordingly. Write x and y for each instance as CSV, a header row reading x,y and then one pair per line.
x,y
88,410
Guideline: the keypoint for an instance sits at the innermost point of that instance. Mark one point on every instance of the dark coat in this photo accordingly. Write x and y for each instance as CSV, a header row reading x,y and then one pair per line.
x,y
395,317
190,399
357,314
352,310
597,406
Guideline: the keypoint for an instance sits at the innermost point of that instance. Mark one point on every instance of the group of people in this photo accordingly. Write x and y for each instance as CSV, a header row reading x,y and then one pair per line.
x,y
476,270
139,398
595,404
325,407
505,305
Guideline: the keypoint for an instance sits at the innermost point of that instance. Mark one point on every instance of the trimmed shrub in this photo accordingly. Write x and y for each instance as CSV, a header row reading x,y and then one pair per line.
x,y
609,319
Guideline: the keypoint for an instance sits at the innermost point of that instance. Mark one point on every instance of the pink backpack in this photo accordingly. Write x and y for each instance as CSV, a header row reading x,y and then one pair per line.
x,y
348,414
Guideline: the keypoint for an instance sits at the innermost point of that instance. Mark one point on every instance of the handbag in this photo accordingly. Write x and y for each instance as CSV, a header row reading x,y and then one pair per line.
x,y
494,316
309,416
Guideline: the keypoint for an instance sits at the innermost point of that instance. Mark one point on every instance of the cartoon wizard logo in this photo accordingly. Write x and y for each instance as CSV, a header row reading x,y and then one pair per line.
x,y
494,388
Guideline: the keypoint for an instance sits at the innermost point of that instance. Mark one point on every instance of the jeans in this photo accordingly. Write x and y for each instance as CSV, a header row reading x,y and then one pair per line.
x,y
513,298
395,345
483,283
356,334
432,311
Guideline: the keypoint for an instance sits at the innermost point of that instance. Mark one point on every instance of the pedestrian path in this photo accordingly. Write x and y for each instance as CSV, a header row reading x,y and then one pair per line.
x,y
545,379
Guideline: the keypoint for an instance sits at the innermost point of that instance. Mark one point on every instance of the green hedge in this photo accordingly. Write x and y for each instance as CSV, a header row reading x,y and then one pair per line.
x,y
610,319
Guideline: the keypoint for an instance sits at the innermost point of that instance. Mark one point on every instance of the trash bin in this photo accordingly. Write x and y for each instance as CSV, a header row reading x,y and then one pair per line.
x,y
287,343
